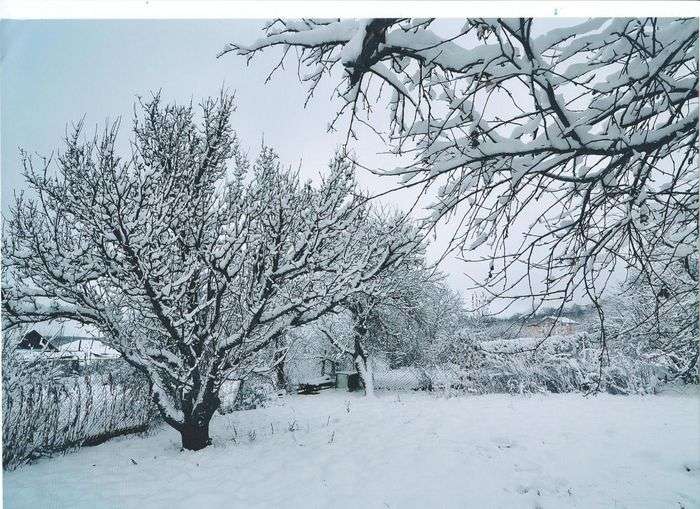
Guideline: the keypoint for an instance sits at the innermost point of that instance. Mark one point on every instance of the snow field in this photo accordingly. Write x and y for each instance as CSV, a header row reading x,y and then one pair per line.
x,y
339,449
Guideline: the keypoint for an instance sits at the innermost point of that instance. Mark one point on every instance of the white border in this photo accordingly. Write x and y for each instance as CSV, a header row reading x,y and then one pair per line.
x,y
213,9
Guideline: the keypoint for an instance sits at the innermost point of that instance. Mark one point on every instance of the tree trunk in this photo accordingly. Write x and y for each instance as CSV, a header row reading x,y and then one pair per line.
x,y
359,356
280,376
363,368
194,431
195,436
278,360
281,382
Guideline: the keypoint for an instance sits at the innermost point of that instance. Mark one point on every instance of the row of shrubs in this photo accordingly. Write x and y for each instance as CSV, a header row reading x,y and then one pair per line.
x,y
563,364
557,365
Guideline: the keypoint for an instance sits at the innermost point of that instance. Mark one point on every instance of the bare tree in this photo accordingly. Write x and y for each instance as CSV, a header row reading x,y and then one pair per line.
x,y
190,262
583,137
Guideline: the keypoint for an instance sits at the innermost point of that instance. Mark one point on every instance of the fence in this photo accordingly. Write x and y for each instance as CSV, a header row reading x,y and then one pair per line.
x,y
45,417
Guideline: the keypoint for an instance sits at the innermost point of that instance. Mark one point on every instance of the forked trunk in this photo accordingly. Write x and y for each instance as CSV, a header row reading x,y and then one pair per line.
x,y
194,429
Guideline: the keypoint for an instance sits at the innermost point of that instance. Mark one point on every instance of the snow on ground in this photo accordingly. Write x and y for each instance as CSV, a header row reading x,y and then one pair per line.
x,y
338,449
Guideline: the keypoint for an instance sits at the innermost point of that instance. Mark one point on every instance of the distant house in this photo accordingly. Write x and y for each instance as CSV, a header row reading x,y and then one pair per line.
x,y
561,326
35,348
71,351
32,340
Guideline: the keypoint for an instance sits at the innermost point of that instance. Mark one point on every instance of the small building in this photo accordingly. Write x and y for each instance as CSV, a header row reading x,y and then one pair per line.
x,y
32,340
347,380
34,348
72,353
555,326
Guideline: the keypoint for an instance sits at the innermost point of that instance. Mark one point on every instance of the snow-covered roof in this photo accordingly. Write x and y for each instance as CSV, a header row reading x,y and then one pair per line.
x,y
561,319
35,355
89,348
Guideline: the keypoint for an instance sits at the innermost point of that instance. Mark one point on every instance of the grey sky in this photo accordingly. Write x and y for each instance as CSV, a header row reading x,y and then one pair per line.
x,y
56,72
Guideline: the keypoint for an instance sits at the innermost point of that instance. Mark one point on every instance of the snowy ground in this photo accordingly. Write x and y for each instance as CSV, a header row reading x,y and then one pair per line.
x,y
400,450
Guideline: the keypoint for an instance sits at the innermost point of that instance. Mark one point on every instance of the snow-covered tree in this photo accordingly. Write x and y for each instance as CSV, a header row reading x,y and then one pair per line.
x,y
583,137
403,316
656,324
432,314
188,260
371,310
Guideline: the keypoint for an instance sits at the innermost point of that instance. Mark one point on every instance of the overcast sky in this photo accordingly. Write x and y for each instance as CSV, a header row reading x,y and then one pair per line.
x,y
57,72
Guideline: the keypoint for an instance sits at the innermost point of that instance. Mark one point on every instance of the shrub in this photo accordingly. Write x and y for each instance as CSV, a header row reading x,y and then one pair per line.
x,y
254,395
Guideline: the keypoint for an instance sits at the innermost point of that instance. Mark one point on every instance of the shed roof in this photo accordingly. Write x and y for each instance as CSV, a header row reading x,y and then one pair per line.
x,y
561,319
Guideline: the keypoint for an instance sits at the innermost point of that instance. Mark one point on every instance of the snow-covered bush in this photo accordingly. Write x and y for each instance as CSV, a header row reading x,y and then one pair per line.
x,y
559,364
250,394
653,325
254,395
229,395
576,363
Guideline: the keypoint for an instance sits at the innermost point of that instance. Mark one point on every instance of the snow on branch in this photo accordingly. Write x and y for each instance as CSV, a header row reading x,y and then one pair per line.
x,y
583,137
